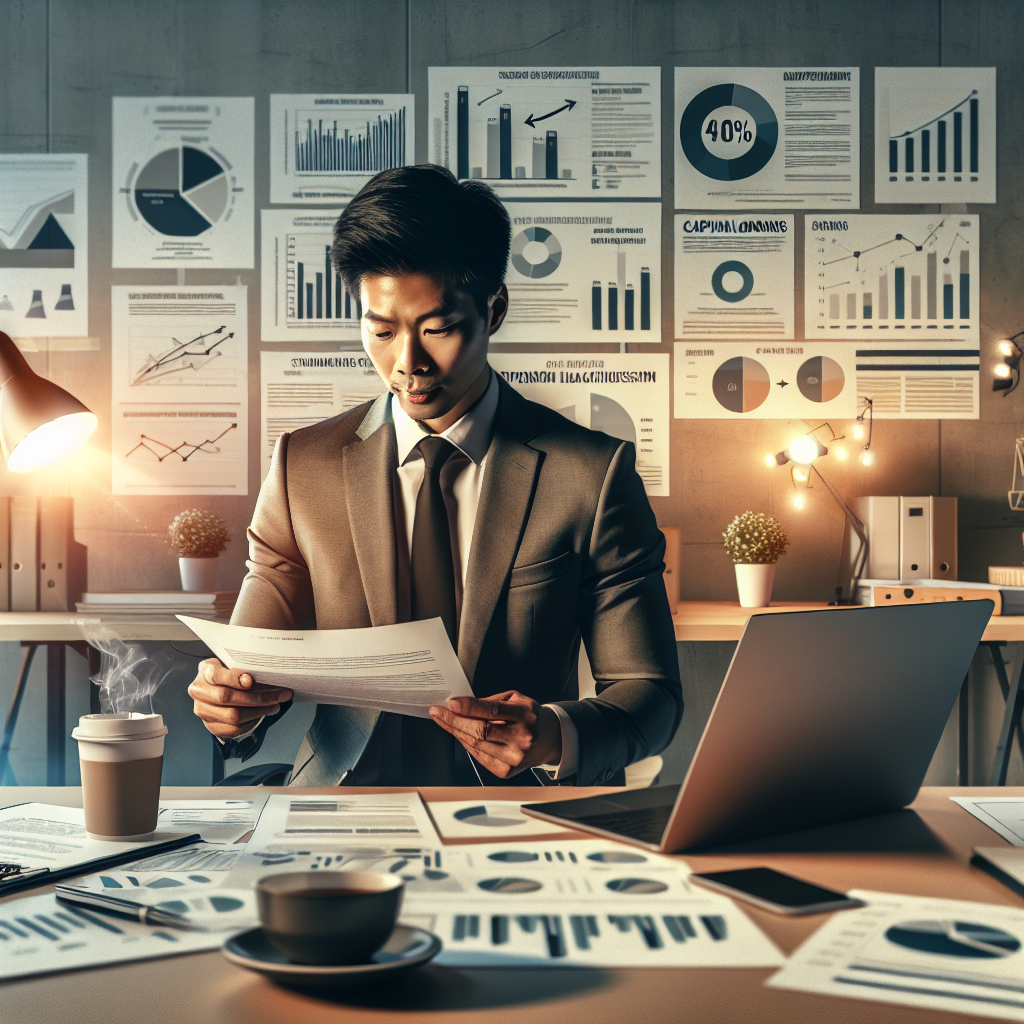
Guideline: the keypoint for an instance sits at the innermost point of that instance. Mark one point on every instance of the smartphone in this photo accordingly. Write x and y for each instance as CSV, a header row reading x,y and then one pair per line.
x,y
775,891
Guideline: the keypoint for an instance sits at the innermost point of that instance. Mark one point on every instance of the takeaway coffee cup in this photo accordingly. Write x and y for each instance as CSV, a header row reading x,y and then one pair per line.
x,y
122,756
329,917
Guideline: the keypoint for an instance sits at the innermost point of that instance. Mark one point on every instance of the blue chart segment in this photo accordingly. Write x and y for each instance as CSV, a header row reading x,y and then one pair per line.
x,y
181,192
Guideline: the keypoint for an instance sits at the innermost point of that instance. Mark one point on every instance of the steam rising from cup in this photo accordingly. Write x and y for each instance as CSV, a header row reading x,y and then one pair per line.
x,y
128,677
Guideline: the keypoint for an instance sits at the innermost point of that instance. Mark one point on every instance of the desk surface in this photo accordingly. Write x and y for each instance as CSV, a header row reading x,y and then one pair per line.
x,y
724,620
923,853
57,627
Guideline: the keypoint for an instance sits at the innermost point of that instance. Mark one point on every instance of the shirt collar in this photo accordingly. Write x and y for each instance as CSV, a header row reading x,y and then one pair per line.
x,y
471,433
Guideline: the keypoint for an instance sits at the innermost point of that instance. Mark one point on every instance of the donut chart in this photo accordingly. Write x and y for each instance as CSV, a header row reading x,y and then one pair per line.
x,y
732,267
544,238
820,379
181,192
691,132
741,384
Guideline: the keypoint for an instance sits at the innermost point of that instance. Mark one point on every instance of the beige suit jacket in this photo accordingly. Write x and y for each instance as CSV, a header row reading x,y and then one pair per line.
x,y
565,546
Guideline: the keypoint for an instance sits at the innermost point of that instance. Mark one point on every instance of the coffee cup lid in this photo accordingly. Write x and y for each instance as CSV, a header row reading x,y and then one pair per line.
x,y
123,725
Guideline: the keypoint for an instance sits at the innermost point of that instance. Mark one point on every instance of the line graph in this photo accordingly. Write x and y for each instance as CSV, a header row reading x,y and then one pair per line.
x,y
182,359
185,450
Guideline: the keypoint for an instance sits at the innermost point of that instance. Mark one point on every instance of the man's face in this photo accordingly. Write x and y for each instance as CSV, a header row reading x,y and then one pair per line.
x,y
428,343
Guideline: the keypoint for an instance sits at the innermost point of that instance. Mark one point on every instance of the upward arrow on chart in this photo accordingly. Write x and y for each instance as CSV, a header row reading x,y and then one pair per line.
x,y
531,120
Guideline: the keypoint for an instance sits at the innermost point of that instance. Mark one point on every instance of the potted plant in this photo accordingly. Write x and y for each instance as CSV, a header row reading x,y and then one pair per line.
x,y
754,542
198,537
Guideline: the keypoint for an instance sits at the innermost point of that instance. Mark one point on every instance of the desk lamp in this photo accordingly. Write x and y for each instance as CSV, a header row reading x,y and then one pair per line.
x,y
802,454
40,423
1007,377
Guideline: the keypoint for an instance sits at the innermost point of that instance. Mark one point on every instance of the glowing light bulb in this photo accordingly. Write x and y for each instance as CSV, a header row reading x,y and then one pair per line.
x,y
769,460
858,431
799,474
798,501
1006,348
803,449
1002,370
867,458
839,453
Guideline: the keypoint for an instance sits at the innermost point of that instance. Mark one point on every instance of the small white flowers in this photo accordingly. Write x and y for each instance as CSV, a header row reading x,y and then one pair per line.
x,y
753,538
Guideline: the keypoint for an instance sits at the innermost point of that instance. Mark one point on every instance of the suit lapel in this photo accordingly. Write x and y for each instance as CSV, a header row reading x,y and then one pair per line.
x,y
369,473
505,499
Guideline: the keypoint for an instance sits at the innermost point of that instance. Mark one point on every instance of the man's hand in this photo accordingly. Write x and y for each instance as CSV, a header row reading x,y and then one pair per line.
x,y
506,733
228,701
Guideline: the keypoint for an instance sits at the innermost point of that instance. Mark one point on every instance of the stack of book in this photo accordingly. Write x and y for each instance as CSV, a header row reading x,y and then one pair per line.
x,y
158,605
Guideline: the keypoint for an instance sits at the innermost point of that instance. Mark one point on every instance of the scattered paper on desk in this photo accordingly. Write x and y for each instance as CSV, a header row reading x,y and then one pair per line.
x,y
491,819
589,903
1008,860
1002,814
916,951
404,668
41,935
217,821
49,836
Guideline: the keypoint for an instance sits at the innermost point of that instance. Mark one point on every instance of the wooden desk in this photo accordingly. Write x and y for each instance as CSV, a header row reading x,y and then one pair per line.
x,y
923,853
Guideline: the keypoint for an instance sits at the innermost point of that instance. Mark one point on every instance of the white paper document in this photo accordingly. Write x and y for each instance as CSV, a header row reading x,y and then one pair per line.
x,y
298,389
782,380
404,668
625,396
734,277
1002,814
44,245
48,836
767,138
916,951
302,297
584,272
589,903
554,133
1008,862
325,146
183,181
935,135
491,819
180,393
217,821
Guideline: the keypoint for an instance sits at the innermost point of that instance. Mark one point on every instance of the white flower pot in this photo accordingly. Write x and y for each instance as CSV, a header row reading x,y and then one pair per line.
x,y
754,583
198,574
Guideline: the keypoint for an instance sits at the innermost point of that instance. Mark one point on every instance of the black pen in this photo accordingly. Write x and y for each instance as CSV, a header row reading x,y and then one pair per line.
x,y
11,874
141,912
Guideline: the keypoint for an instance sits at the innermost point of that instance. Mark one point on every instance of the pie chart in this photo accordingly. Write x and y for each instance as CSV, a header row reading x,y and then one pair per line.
x,y
954,938
490,817
513,856
741,384
181,192
820,379
616,857
636,886
535,252
509,885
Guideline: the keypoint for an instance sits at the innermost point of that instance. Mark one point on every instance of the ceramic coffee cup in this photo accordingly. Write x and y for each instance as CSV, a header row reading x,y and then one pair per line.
x,y
329,917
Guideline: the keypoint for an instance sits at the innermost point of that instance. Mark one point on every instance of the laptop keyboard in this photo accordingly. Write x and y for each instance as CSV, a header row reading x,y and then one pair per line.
x,y
647,824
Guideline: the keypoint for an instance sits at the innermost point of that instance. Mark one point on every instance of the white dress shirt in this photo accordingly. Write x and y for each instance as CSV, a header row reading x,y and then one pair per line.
x,y
461,479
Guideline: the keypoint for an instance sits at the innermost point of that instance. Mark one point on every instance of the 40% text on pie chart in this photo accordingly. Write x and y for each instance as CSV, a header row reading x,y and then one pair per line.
x,y
728,132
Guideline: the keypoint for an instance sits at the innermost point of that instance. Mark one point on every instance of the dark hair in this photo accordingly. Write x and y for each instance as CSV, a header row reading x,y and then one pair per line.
x,y
411,220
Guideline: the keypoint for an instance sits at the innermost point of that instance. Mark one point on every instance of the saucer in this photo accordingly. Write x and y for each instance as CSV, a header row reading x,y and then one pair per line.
x,y
407,948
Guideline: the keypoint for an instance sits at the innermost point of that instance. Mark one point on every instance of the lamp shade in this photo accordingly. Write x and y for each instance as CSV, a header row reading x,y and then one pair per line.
x,y
40,423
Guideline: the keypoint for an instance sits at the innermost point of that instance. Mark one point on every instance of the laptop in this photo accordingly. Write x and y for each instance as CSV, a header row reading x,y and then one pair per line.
x,y
824,715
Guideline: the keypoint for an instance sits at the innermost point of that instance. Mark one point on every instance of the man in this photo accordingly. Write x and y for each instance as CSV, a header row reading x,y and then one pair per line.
x,y
453,496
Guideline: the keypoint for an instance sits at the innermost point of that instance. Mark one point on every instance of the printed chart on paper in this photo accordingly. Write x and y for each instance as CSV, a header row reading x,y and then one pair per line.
x,y
626,396
302,388
764,138
180,391
565,133
935,135
183,182
44,251
584,272
903,290
302,298
324,148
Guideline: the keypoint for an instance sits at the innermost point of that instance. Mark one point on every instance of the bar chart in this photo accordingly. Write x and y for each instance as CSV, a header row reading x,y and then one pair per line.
x,y
892,277
935,134
324,146
315,290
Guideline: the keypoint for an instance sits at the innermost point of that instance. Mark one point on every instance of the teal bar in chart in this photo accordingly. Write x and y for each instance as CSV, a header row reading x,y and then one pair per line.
x,y
898,294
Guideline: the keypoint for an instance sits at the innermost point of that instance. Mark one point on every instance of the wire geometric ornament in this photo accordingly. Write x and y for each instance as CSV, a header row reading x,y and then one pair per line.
x,y
1015,496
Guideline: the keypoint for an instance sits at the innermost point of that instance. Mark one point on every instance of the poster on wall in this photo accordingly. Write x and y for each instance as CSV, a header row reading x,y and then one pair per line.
x,y
935,135
183,182
44,245
584,272
180,395
767,138
734,276
555,133
325,147
301,296
298,389
764,381
624,395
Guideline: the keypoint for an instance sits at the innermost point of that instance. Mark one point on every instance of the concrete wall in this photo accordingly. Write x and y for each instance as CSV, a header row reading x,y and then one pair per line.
x,y
67,58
